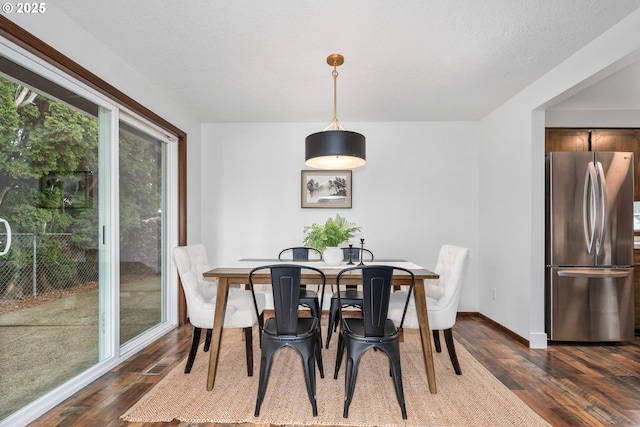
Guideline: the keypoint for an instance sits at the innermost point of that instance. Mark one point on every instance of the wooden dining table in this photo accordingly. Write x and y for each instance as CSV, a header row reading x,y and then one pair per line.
x,y
238,273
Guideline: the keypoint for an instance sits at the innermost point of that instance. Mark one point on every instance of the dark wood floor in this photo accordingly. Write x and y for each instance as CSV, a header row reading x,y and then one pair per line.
x,y
568,385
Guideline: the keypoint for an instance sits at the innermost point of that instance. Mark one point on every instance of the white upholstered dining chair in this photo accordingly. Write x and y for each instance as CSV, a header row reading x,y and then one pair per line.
x,y
200,295
443,298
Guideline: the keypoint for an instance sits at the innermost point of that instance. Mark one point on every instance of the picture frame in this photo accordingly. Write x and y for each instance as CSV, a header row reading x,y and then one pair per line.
x,y
326,189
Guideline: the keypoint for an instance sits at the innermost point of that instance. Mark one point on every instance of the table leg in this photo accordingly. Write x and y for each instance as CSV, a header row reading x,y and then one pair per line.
x,y
425,335
218,322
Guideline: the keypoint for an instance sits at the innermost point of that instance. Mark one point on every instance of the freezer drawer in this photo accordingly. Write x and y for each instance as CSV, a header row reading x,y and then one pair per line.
x,y
590,304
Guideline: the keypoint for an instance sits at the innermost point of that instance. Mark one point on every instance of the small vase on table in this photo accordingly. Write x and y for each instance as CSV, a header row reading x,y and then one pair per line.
x,y
332,256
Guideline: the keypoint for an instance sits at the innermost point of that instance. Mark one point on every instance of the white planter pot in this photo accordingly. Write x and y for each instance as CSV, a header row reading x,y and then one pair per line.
x,y
332,256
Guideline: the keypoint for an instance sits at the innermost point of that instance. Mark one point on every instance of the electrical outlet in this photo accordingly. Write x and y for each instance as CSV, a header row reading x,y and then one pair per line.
x,y
493,294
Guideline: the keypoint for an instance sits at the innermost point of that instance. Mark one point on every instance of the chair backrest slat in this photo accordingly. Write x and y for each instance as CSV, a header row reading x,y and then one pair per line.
x,y
353,254
376,288
300,253
286,298
285,286
376,285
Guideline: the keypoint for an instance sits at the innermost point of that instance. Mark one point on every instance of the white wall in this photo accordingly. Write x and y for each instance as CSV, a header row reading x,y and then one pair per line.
x,y
512,210
418,190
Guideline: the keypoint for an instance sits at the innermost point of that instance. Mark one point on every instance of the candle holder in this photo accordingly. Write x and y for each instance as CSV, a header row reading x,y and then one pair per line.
x,y
350,254
361,251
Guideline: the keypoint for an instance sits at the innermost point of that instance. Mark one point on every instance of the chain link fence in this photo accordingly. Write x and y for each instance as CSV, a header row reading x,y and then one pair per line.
x,y
40,264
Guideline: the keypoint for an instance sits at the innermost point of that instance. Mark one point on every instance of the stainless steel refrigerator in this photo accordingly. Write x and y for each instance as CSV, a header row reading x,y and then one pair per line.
x,y
589,246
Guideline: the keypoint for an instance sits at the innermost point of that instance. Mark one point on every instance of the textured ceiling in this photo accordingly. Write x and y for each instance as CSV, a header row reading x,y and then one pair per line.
x,y
411,60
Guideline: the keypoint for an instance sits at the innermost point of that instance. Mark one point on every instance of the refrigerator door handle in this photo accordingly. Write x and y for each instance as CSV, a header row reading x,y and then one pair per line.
x,y
589,214
602,207
595,273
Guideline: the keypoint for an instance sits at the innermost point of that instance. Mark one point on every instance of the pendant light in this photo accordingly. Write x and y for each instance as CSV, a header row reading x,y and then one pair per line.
x,y
335,147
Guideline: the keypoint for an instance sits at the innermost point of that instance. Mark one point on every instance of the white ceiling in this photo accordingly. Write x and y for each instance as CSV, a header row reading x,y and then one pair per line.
x,y
411,60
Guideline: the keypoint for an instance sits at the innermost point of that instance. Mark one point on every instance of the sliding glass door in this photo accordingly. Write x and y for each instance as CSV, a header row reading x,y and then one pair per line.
x,y
85,191
50,305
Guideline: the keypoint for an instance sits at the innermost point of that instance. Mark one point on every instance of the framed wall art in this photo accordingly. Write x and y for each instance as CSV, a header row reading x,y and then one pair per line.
x,y
326,189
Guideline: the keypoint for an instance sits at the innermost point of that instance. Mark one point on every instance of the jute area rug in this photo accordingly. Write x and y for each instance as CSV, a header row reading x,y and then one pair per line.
x,y
475,398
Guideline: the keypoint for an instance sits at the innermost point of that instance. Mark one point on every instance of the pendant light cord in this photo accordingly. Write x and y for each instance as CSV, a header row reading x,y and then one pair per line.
x,y
335,124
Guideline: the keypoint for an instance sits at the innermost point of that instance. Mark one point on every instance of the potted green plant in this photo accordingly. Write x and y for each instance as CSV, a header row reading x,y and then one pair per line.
x,y
332,234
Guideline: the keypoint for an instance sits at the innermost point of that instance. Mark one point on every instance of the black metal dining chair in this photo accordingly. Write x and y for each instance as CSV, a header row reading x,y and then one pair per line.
x,y
287,328
300,253
373,330
352,254
308,298
351,296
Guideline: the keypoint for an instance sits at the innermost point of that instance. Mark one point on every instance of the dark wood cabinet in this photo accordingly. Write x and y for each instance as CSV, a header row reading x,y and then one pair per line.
x,y
566,140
